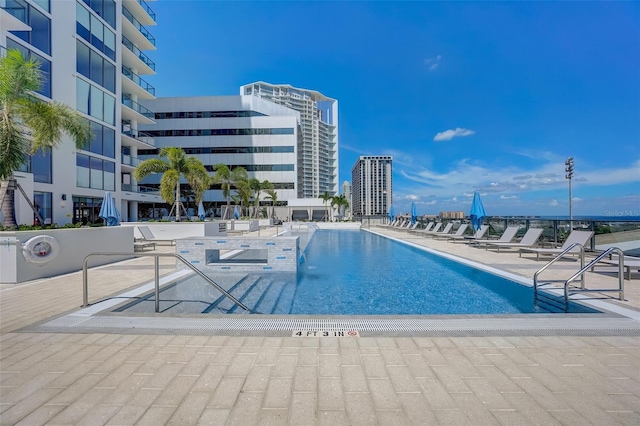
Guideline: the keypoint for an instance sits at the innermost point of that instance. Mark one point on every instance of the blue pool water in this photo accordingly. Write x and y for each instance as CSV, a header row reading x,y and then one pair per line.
x,y
357,273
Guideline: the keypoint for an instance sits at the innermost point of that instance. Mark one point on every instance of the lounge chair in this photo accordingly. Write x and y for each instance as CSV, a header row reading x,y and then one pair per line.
x,y
446,231
147,236
506,237
420,231
575,237
529,239
468,238
436,228
629,263
411,227
459,233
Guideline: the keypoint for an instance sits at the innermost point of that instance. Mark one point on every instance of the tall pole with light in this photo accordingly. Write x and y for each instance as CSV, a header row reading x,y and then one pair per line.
x,y
569,175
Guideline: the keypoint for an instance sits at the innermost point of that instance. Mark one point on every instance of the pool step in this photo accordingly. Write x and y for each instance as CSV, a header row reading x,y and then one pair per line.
x,y
223,303
548,301
253,296
285,301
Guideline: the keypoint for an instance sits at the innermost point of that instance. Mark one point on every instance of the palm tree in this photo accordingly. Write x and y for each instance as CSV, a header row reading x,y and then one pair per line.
x,y
28,124
244,191
176,166
256,188
272,195
326,197
228,178
341,202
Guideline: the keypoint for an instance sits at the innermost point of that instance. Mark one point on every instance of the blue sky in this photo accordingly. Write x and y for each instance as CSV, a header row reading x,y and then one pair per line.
x,y
487,96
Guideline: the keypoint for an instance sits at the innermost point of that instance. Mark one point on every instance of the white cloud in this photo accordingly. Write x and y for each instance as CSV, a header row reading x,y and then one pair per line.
x,y
553,203
494,184
447,135
412,197
430,203
508,197
454,199
433,63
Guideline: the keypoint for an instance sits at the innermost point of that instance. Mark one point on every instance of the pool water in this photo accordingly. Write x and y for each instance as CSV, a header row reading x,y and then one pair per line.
x,y
357,273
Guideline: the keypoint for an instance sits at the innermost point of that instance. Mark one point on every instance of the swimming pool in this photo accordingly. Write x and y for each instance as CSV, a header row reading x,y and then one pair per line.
x,y
352,272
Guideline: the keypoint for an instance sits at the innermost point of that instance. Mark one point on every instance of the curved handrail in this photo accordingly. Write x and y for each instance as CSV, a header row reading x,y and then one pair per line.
x,y
554,260
85,280
593,262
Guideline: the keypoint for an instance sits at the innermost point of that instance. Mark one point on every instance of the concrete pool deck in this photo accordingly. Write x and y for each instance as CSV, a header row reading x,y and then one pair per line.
x,y
182,378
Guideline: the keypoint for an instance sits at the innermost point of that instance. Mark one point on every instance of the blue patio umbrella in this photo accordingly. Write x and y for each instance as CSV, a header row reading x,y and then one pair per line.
x,y
477,214
201,212
108,211
392,213
414,213
236,213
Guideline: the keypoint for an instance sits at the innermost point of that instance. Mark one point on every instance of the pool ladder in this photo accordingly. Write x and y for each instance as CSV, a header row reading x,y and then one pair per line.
x,y
85,277
545,298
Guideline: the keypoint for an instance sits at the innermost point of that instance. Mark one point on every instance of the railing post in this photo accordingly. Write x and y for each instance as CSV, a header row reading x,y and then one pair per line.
x,y
85,285
157,281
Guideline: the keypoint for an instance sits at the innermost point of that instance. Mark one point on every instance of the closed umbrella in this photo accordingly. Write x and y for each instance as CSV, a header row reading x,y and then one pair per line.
x,y
201,212
414,213
477,214
236,213
392,213
108,211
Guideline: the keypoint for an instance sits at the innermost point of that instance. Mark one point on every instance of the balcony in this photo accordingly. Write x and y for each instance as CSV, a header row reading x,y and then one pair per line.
x,y
136,54
139,189
136,112
142,12
137,136
149,92
136,32
127,160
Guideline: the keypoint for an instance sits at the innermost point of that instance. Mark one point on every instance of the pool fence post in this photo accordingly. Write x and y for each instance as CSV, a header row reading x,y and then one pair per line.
x,y
157,281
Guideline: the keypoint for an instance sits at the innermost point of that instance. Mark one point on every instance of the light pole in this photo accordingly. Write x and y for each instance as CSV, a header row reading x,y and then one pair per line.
x,y
569,170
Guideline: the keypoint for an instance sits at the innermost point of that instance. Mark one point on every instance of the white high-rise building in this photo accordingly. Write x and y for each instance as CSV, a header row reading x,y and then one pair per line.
x,y
247,131
346,191
318,147
372,185
92,53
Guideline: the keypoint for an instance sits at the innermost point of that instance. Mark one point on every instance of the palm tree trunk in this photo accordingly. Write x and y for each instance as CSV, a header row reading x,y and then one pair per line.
x,y
8,203
178,201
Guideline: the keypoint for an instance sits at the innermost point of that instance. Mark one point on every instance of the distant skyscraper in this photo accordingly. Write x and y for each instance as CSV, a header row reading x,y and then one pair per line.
x,y
372,185
346,191
317,165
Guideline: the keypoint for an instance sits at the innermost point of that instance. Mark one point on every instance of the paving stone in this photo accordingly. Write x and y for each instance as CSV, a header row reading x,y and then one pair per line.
x,y
99,415
257,379
240,365
190,409
305,379
24,407
384,396
329,365
304,409
360,409
353,379
374,366
333,418
226,393
176,390
436,395
210,378
156,416
402,379
417,409
247,409
453,417
330,394
278,393
39,416
214,416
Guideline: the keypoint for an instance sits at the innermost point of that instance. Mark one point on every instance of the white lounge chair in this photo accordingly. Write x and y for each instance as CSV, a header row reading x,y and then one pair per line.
x,y
506,237
529,239
575,237
459,233
148,236
629,263
426,229
435,229
468,238
446,231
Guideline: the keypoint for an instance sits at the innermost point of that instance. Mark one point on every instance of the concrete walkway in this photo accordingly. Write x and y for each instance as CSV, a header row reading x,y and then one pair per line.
x,y
120,379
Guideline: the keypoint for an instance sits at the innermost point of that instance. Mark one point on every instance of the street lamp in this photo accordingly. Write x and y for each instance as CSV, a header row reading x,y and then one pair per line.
x,y
569,170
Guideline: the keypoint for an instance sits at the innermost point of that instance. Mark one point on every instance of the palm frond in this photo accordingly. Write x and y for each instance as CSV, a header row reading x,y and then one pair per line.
x,y
168,184
14,146
152,165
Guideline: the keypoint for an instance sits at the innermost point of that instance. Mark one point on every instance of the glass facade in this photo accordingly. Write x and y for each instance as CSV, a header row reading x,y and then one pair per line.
x,y
96,68
95,102
90,28
221,132
43,203
93,172
45,65
40,34
41,167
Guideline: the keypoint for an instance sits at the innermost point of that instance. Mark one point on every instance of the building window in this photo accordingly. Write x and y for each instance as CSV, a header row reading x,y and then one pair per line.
x,y
45,66
106,9
41,167
42,202
104,140
221,132
93,172
92,30
40,34
95,102
93,66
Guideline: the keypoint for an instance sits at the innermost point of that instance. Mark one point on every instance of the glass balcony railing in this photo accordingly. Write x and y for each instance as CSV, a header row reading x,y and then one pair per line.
x,y
136,134
147,9
137,107
139,189
139,53
128,160
16,9
138,80
138,26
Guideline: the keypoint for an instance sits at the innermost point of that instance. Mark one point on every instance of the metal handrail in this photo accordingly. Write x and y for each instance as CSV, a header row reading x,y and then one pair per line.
x,y
554,260
85,278
620,288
